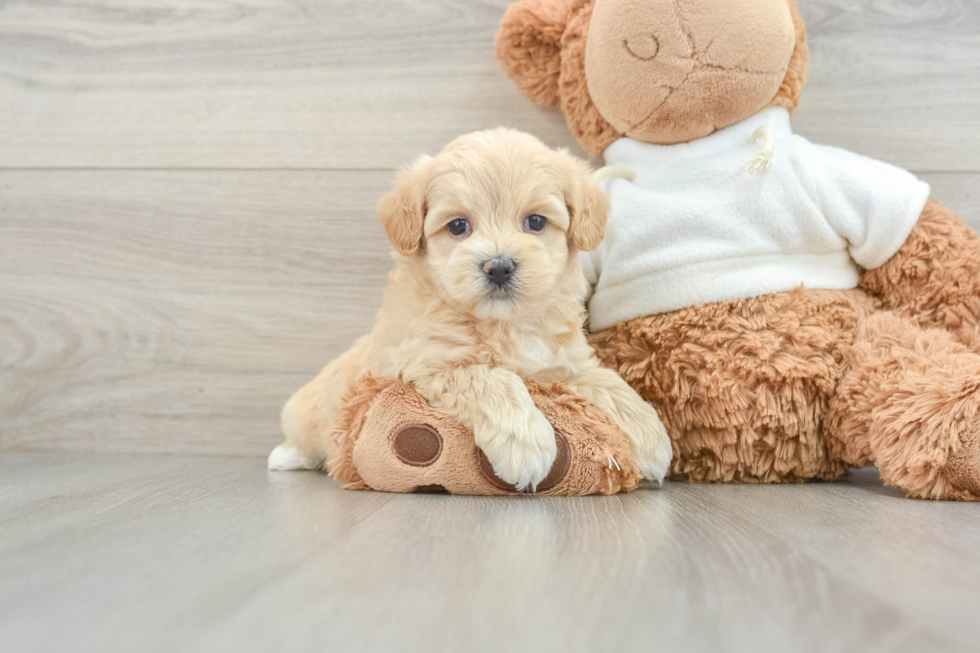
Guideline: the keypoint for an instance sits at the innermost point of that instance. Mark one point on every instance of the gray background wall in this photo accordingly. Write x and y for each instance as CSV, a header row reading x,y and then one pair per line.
x,y
187,229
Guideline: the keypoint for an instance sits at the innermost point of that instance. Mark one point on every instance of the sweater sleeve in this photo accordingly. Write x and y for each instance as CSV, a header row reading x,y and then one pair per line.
x,y
869,203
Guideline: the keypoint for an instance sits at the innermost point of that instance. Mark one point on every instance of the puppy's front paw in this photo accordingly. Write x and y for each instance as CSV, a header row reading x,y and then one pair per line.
x,y
651,446
521,447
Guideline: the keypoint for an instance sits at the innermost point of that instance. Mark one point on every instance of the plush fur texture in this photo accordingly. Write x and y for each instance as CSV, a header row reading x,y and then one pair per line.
x,y
468,345
376,409
797,385
804,384
530,36
742,386
935,277
741,77
908,401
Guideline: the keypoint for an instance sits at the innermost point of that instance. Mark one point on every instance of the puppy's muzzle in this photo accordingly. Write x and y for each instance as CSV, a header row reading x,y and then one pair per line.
x,y
499,271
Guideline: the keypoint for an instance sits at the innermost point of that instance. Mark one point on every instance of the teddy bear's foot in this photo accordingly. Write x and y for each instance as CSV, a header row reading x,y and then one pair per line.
x,y
396,442
957,480
963,467
910,405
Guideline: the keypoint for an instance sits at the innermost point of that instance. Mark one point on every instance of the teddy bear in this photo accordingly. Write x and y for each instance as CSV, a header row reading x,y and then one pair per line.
x,y
390,439
792,310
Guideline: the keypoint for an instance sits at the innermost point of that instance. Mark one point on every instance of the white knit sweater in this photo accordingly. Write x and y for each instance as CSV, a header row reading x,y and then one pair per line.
x,y
696,225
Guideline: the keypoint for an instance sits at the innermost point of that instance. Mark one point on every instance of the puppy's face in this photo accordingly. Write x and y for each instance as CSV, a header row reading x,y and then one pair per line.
x,y
496,216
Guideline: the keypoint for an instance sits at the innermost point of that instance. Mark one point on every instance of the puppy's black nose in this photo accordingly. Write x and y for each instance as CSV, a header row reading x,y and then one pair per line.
x,y
499,270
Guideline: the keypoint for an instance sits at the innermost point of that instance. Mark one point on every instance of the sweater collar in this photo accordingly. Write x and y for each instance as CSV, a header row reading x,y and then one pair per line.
x,y
637,154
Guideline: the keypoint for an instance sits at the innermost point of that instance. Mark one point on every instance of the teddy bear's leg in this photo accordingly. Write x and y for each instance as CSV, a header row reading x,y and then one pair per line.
x,y
935,277
308,417
741,386
909,403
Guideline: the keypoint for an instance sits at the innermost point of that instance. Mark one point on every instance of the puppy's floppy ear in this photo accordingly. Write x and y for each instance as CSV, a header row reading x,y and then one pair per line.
x,y
402,211
588,206
529,47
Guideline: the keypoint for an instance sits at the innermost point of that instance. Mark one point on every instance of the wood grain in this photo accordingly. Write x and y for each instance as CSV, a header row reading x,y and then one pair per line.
x,y
165,553
174,311
312,84
897,80
960,192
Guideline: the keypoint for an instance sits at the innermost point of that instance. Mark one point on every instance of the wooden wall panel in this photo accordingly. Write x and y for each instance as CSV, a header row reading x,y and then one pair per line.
x,y
313,84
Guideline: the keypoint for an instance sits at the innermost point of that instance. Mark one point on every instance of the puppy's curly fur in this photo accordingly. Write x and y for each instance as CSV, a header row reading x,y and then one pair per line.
x,y
468,342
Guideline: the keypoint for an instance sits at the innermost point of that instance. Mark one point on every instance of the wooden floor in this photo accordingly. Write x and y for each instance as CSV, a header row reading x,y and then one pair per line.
x,y
187,234
146,553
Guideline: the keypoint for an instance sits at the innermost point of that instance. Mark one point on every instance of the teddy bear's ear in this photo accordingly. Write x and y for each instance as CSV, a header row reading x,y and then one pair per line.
x,y
588,206
529,47
792,86
402,211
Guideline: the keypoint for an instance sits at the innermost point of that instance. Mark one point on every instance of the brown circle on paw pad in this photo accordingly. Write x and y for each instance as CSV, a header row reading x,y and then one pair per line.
x,y
563,461
418,445
430,489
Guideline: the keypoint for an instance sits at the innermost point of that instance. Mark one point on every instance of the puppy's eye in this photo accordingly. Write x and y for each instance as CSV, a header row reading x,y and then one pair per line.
x,y
458,227
535,222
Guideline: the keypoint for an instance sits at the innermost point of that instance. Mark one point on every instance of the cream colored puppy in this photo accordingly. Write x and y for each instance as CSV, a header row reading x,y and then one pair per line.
x,y
486,293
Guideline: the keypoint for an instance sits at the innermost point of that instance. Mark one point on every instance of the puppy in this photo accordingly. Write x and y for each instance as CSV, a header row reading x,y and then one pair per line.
x,y
487,292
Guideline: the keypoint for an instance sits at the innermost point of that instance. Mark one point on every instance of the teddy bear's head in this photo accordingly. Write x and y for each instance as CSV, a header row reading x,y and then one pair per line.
x,y
658,71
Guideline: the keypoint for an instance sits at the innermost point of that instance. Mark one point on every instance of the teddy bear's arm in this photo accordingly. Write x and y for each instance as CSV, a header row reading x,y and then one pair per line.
x,y
935,276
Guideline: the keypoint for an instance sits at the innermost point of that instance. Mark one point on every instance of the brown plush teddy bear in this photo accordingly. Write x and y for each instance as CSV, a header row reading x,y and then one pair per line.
x,y
390,439
791,309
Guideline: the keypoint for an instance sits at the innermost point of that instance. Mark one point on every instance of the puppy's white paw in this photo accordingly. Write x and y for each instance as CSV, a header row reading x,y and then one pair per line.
x,y
521,447
287,459
651,446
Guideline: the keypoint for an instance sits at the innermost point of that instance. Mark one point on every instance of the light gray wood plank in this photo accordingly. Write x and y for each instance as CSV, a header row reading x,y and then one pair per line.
x,y
176,311
369,85
167,311
251,84
161,553
896,80
959,192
